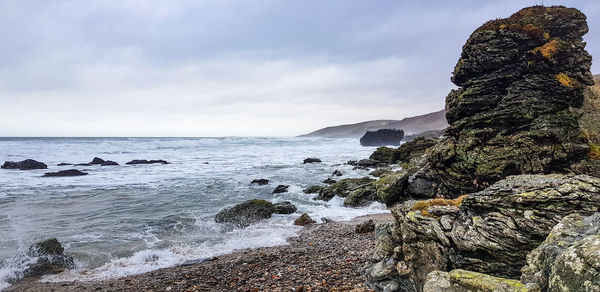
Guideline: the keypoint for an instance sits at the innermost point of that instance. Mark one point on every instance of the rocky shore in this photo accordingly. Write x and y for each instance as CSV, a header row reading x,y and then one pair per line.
x,y
324,257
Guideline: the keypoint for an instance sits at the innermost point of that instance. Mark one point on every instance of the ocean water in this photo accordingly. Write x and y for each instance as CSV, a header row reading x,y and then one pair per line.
x,y
124,220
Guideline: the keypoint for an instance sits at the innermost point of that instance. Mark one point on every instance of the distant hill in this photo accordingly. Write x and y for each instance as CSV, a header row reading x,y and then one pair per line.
x,y
412,125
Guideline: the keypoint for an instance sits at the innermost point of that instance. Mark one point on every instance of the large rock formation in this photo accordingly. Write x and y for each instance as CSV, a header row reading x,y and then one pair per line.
x,y
518,106
26,164
490,232
382,137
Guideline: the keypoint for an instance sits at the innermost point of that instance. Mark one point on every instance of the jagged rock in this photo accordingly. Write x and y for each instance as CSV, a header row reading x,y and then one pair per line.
x,y
361,197
246,213
312,189
382,137
26,164
143,161
280,189
563,255
367,164
304,220
260,182
337,173
380,172
108,163
345,187
490,232
405,152
427,134
365,227
518,106
284,208
329,181
465,281
97,160
51,259
311,160
69,172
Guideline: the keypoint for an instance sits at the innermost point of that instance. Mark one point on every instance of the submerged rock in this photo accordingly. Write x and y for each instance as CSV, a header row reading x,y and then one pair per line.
x,y
311,160
280,189
64,164
246,213
312,189
284,208
138,161
97,160
260,182
382,137
26,164
69,172
109,163
304,220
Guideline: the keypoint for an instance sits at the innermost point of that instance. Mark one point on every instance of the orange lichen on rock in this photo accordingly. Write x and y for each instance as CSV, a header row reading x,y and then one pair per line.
x,y
423,206
565,80
548,50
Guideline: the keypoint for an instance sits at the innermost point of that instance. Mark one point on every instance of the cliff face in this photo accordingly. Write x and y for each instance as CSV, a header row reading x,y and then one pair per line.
x,y
517,109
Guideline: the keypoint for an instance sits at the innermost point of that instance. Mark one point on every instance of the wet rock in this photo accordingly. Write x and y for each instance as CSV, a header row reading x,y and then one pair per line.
x,y
51,259
345,187
97,160
380,172
382,137
463,281
64,164
69,172
83,164
563,255
361,197
143,161
26,164
405,153
367,163
312,189
246,213
109,163
336,173
311,160
284,208
365,227
260,182
280,189
304,220
329,181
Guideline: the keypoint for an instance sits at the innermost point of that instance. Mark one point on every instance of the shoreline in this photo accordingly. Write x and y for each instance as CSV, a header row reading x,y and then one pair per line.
x,y
323,257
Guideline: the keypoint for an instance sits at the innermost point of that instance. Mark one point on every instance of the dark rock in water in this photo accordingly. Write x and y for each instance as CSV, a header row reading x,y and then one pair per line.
x,y
352,162
312,189
344,187
382,137
26,164
109,163
246,213
284,208
64,164
139,161
70,172
280,189
337,173
51,259
304,220
97,160
489,232
82,164
405,153
311,160
260,182
367,164
365,227
329,181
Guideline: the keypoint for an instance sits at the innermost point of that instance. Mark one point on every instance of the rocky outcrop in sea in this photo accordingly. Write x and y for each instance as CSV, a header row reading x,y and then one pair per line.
x,y
382,137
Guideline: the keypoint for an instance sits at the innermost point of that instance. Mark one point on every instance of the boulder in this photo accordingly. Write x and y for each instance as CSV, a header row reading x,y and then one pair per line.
x,y
284,208
382,137
329,181
365,227
311,160
50,259
97,160
312,189
260,182
345,187
489,232
246,213
337,173
304,220
463,281
280,189
405,153
109,163
361,197
26,164
69,172
143,161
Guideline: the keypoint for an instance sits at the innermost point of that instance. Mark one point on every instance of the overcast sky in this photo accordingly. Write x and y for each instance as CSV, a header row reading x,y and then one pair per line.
x,y
232,68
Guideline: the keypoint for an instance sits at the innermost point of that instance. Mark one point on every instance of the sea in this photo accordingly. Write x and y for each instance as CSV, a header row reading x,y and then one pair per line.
x,y
130,219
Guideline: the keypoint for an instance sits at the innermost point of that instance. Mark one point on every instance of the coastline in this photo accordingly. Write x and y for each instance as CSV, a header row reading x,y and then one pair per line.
x,y
324,257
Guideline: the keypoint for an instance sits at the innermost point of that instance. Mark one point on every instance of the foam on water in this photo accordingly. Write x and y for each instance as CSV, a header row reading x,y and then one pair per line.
x,y
126,220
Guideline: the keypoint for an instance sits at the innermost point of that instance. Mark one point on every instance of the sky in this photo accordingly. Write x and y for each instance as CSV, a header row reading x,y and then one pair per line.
x,y
233,68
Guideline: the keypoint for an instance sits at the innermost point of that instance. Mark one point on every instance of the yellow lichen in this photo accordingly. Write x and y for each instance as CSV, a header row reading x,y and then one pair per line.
x,y
546,36
565,80
594,151
423,206
548,50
